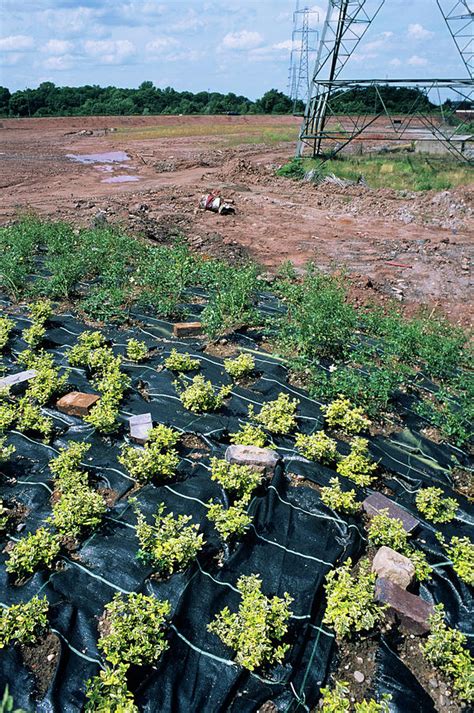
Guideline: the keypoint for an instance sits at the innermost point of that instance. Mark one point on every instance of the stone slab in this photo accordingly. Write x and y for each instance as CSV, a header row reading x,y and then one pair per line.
x,y
187,329
412,611
377,502
17,382
263,458
392,565
76,403
140,427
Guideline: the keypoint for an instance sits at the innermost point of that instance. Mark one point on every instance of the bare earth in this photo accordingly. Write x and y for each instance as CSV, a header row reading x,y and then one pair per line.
x,y
174,160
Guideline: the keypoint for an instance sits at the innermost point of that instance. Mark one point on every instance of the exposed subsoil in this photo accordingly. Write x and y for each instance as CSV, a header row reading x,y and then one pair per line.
x,y
42,658
412,247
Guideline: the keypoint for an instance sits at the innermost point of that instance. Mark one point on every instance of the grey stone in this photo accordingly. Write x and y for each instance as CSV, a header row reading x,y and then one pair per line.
x,y
412,611
359,676
262,458
377,502
394,566
140,427
17,382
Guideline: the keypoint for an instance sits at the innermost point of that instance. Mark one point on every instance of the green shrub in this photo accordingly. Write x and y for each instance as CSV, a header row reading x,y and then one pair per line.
x,y
342,414
434,507
232,302
170,544
200,396
6,327
229,521
108,692
278,416
389,532
157,458
239,367
461,552
30,418
136,350
4,516
37,549
8,410
240,480
136,629
445,650
104,415
6,452
249,435
111,383
162,275
23,623
47,381
358,466
318,446
337,499
86,342
255,632
337,700
350,600
293,169
76,510
40,312
66,467
181,362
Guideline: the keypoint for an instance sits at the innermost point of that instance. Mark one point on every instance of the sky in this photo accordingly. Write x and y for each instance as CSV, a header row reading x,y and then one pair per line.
x,y
241,46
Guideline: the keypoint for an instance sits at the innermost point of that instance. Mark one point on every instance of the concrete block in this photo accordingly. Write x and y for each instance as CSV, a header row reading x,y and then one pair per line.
x,y
140,427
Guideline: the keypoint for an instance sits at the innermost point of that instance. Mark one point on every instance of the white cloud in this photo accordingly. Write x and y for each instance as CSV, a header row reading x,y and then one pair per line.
x,y
57,47
416,61
243,40
160,45
395,62
109,51
59,63
16,43
77,21
418,32
287,45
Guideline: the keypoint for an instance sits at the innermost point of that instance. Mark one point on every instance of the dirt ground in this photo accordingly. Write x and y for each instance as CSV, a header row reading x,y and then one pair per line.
x,y
412,247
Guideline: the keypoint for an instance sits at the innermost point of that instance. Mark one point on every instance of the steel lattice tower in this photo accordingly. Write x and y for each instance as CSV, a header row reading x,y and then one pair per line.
x,y
304,46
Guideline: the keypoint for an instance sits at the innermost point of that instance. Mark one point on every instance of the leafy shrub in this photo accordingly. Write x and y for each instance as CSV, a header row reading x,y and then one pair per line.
x,y
158,457
200,396
342,414
171,543
47,381
445,650
135,625
337,700
239,367
37,549
104,414
337,499
461,552
136,350
6,452
86,343
4,516
181,362
249,435
318,446
293,169
40,312
108,692
23,623
30,418
8,410
256,630
434,507
350,600
6,326
278,416
65,467
239,479
229,522
389,532
231,303
358,465
77,510
111,383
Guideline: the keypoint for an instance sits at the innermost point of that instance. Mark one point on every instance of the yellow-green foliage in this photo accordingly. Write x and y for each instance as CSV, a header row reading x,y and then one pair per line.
x,y
86,342
6,326
250,435
136,351
445,649
199,396
111,383
108,692
239,367
255,632
66,467
77,510
389,532
240,480
318,446
342,414
278,416
40,312
23,623
7,410
337,700
37,549
434,507
358,465
47,380
30,418
337,499
4,516
350,599
461,552
158,457
6,452
181,362
231,521
171,543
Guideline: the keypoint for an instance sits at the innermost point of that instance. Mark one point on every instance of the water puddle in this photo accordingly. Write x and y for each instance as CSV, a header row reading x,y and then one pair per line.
x,y
107,157
120,179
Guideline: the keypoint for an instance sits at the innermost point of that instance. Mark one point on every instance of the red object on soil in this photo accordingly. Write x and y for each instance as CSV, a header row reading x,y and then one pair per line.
x,y
187,329
398,264
76,403
412,611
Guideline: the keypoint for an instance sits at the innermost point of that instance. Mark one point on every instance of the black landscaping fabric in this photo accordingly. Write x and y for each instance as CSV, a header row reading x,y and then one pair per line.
x,y
294,540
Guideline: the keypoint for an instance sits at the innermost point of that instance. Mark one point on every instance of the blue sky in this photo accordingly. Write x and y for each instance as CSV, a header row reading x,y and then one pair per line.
x,y
241,46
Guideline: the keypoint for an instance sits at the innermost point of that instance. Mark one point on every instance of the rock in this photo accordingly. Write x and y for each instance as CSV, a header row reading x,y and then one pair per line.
x,y
76,403
17,382
412,611
187,329
268,707
433,683
377,502
140,426
262,458
394,566
100,219
359,676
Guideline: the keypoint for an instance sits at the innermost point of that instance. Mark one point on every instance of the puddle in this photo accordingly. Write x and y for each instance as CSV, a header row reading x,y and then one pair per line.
x,y
120,179
108,157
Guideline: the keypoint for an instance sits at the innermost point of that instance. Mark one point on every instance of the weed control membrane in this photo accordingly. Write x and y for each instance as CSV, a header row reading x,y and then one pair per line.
x,y
293,541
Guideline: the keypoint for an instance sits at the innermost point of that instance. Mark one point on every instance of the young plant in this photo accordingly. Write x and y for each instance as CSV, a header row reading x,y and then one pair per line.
x,y
104,415
358,466
157,458
170,544
66,467
229,522
241,366
351,606
108,692
86,343
181,362
434,507
256,631
249,435
6,327
337,700
4,516
445,649
40,312
77,510
23,623
240,480
30,418
389,532
47,381
136,629
37,549
278,416
232,303
342,414
318,446
6,452
136,351
200,396
337,499
461,553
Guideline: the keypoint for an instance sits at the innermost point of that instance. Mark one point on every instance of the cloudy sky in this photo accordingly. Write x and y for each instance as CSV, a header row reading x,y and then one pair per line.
x,y
241,46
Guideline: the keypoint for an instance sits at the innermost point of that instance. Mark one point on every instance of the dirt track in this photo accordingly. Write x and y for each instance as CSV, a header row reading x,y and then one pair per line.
x,y
430,235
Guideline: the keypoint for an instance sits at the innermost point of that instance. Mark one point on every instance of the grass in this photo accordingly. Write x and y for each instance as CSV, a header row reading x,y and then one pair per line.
x,y
231,134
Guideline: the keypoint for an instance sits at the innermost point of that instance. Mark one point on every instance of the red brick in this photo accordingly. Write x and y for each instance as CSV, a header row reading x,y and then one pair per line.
x,y
76,403
187,329
410,610
377,502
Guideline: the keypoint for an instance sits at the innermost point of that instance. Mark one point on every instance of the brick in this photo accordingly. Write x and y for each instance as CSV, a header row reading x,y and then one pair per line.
x,y
76,403
262,458
410,610
17,382
377,502
187,329
394,566
140,426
